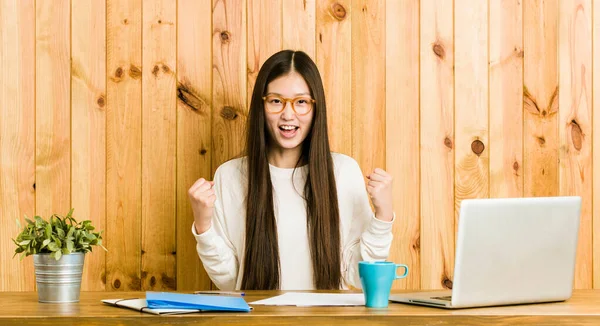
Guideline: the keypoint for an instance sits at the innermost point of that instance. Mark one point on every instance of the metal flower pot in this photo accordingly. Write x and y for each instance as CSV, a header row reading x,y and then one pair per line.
x,y
58,281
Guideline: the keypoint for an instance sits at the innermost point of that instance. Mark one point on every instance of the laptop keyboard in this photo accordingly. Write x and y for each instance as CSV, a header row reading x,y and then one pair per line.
x,y
447,298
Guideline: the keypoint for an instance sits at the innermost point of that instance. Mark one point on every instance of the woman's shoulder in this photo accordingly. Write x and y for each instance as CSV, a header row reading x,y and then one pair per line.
x,y
343,162
232,168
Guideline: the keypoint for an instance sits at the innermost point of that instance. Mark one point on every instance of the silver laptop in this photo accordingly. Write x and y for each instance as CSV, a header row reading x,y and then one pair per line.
x,y
510,251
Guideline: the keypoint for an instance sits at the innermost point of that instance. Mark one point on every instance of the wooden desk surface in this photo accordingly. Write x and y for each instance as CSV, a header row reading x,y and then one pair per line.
x,y
22,308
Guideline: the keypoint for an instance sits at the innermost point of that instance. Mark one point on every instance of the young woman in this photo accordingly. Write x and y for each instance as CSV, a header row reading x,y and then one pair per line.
x,y
290,214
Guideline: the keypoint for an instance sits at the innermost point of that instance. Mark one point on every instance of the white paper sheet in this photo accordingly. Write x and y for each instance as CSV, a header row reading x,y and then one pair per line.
x,y
314,299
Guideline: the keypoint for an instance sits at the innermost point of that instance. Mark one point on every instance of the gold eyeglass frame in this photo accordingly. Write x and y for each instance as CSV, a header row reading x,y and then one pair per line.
x,y
291,100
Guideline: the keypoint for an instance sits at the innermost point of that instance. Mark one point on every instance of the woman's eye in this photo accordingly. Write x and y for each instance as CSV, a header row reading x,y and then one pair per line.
x,y
275,101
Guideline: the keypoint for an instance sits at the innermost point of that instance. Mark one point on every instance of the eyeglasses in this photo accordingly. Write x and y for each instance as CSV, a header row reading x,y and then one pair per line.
x,y
301,104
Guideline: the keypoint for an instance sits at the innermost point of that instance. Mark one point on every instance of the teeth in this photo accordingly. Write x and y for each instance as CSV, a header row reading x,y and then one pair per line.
x,y
288,127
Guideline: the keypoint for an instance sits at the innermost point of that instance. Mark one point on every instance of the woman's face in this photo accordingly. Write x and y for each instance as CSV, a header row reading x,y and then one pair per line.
x,y
288,127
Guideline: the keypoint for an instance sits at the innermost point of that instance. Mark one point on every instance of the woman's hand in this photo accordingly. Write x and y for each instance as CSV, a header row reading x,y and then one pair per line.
x,y
380,190
202,197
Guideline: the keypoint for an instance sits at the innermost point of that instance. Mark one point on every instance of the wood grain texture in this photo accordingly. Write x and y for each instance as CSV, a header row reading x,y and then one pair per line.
x,y
595,142
124,144
540,98
229,79
299,24
506,98
264,36
159,123
402,122
368,84
53,109
88,125
436,241
471,101
17,137
23,309
575,122
194,148
334,50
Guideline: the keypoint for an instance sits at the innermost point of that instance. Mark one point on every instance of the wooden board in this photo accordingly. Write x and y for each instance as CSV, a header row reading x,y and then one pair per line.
x,y
88,125
506,98
402,123
368,84
436,242
299,24
53,111
471,101
596,153
159,124
124,144
333,47
17,137
575,122
264,36
194,148
540,98
229,79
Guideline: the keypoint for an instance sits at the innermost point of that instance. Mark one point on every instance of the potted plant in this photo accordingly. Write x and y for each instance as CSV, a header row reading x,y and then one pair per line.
x,y
58,247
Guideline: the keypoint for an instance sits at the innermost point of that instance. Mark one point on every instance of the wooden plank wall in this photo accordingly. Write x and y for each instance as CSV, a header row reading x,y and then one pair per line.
x,y
115,107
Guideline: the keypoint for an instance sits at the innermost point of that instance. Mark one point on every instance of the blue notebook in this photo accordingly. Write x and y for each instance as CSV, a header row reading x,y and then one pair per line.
x,y
171,300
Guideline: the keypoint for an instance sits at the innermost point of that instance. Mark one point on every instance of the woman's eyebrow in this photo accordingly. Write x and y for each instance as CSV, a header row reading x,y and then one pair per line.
x,y
297,94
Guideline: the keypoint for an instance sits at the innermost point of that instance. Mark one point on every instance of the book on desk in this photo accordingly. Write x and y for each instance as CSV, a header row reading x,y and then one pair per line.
x,y
160,303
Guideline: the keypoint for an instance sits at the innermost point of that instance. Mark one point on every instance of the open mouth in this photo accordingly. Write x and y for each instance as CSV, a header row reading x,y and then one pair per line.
x,y
288,131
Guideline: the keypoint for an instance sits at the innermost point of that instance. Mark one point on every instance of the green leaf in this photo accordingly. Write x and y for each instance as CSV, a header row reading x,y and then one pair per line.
x,y
61,233
45,243
70,246
52,246
48,230
24,242
71,231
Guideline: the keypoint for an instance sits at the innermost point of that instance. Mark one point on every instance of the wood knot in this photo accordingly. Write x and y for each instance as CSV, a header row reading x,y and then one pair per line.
x,y
101,102
519,53
166,69
477,147
225,36
34,186
417,244
103,277
187,96
439,51
153,281
448,143
160,21
155,71
516,166
321,37
125,21
144,274
119,73
541,141
228,113
135,72
202,151
576,135
446,283
174,253
338,11
143,251
169,282
117,284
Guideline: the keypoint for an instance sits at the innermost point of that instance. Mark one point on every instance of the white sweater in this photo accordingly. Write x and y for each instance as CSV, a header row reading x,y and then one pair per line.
x,y
221,247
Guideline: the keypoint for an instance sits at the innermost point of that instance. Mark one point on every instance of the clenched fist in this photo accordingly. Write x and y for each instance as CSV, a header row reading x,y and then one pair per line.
x,y
202,197
380,190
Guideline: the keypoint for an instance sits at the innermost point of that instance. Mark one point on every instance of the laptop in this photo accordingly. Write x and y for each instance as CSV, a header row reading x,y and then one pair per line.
x,y
510,251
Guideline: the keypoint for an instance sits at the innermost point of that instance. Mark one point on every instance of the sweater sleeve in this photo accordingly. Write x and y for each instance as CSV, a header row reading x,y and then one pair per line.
x,y
214,248
369,238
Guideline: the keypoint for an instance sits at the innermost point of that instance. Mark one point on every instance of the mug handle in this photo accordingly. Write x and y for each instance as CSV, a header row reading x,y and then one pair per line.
x,y
405,271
